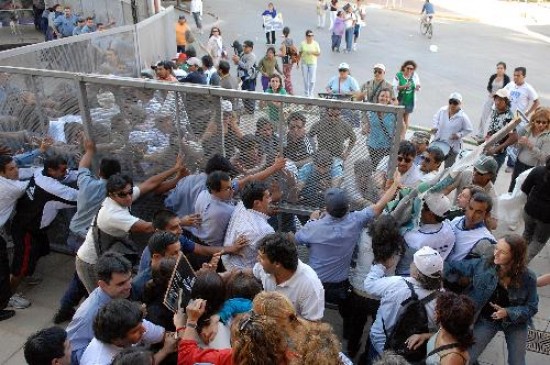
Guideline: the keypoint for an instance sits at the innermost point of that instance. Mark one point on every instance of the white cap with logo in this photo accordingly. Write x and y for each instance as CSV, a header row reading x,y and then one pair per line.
x,y
429,262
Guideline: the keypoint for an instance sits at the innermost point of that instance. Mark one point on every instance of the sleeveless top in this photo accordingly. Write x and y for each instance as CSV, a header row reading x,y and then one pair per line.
x,y
435,359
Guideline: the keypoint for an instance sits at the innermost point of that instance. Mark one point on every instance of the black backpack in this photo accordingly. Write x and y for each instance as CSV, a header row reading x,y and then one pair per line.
x,y
413,320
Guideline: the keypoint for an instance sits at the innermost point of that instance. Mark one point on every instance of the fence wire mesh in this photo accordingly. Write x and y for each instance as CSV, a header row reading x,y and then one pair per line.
x,y
121,51
145,124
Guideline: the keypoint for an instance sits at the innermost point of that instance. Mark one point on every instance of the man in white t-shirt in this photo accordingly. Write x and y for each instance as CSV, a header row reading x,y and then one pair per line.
x,y
434,231
522,95
114,217
280,270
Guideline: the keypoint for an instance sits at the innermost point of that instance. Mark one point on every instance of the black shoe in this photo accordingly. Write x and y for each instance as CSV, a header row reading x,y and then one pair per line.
x,y
6,314
63,315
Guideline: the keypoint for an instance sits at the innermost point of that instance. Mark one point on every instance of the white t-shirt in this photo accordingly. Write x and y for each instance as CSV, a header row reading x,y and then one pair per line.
x,y
11,190
100,353
113,219
304,289
521,96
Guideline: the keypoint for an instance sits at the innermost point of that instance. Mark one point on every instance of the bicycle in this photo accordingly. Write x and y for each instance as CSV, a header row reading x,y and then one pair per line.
x,y
426,27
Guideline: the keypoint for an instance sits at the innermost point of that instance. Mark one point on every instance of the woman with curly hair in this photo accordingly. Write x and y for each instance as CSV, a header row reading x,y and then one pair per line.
x,y
255,340
504,291
314,343
455,315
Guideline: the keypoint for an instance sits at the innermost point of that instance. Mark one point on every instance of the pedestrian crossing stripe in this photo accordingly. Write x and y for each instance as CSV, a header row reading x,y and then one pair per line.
x,y
538,341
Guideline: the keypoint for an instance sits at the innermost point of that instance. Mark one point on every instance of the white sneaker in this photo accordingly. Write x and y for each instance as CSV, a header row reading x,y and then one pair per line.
x,y
18,301
355,46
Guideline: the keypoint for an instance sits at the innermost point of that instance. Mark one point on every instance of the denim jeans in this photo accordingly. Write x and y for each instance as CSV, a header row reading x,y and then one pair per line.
x,y
336,41
536,234
349,38
309,74
515,335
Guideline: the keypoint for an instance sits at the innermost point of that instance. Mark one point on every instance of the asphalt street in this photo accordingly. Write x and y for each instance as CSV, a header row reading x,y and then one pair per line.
x,y
466,52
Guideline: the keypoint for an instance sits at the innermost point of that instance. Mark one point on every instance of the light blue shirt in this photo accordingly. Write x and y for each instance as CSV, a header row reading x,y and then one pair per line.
x,y
91,193
215,214
342,87
182,198
26,158
337,170
87,29
331,242
80,331
381,130
65,25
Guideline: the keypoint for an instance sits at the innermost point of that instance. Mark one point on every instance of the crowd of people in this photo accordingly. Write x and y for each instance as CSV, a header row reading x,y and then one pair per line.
x,y
58,21
416,250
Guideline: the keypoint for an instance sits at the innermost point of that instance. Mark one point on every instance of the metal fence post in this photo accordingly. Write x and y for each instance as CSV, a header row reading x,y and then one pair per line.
x,y
82,95
222,126
40,110
178,124
392,159
281,129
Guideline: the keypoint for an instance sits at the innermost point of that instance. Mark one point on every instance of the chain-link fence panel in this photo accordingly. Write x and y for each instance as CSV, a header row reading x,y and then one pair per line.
x,y
145,124
103,11
109,53
157,37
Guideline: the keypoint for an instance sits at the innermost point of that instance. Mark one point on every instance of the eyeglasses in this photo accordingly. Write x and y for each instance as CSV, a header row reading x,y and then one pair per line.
x,y
454,102
541,121
376,71
401,158
309,35
409,68
124,194
342,70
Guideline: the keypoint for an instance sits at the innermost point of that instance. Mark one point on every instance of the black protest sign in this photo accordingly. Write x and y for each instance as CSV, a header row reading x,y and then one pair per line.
x,y
178,293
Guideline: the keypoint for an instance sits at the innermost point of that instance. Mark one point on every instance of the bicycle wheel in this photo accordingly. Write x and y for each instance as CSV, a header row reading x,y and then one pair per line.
x,y
430,30
423,27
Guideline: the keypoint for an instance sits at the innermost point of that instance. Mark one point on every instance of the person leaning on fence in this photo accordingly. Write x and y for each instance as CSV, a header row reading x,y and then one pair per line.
x,y
331,239
114,217
371,88
332,133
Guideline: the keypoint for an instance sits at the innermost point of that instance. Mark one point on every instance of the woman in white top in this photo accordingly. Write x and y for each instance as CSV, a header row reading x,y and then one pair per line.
x,y
214,47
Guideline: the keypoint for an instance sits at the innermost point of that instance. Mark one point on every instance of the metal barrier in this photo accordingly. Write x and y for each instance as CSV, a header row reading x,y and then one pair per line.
x,y
121,51
107,11
146,123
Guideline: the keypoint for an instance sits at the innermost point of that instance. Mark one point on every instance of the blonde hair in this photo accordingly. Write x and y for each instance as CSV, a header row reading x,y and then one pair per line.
x,y
319,346
540,113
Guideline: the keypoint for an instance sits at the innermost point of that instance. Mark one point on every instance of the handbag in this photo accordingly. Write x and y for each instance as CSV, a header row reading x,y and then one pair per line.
x,y
105,242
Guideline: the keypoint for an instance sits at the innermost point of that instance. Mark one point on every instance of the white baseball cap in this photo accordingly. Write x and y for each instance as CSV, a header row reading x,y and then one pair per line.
x,y
227,106
428,261
456,96
380,66
438,203
343,66
503,93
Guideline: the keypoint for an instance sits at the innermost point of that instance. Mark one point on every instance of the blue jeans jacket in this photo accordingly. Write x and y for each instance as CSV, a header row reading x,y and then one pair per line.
x,y
483,277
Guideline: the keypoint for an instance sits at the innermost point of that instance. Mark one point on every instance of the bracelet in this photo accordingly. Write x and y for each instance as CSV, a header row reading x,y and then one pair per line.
x,y
192,325
179,329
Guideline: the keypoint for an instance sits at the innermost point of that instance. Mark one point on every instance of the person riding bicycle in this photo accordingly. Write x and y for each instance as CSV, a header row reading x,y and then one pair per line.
x,y
428,11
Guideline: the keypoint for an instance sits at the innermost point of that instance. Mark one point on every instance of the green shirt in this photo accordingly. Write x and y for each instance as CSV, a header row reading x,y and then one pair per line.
x,y
273,110
405,96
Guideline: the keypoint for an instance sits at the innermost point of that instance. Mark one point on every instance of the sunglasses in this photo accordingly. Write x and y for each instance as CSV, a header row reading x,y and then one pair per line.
x,y
454,102
342,70
378,71
541,121
401,158
426,158
309,35
124,194
409,68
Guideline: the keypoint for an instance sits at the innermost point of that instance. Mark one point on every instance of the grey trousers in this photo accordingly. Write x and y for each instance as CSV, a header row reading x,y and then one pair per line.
x,y
87,274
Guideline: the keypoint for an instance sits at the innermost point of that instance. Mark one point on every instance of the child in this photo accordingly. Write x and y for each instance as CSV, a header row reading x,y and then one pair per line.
x,y
338,29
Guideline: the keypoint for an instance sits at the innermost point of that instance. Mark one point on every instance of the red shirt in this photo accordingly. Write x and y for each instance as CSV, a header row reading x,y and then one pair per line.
x,y
190,353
